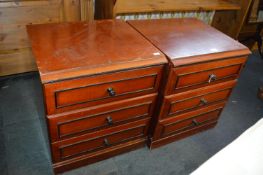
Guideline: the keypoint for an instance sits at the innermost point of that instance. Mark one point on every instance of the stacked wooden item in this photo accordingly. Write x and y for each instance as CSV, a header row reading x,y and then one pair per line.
x,y
204,65
111,86
100,83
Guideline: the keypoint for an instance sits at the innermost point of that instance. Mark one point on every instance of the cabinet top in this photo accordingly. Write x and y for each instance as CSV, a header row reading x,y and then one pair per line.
x,y
188,40
69,50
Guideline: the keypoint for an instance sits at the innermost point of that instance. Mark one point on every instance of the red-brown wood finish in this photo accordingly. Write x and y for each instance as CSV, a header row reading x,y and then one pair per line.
x,y
100,80
171,138
199,75
188,120
93,90
107,87
204,65
98,156
67,125
195,99
70,50
188,40
96,141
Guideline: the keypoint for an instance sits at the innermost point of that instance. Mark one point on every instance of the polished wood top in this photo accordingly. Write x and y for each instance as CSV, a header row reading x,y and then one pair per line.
x,y
188,40
68,50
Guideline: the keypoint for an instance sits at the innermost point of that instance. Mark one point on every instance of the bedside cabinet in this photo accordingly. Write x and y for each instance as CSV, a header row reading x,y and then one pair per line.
x,y
100,83
204,65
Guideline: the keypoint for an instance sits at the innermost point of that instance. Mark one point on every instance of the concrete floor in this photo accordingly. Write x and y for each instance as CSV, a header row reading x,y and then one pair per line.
x,y
24,150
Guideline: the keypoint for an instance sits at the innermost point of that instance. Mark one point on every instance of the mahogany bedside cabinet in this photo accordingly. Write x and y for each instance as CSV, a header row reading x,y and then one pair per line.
x,y
204,65
100,82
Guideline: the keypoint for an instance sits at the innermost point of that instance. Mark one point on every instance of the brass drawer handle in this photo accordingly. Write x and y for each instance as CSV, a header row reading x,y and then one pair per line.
x,y
109,120
203,101
196,123
111,92
106,142
212,78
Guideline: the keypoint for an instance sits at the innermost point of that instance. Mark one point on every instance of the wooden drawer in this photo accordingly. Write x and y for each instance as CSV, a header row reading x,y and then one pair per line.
x,y
195,99
203,74
188,120
90,143
174,137
109,115
94,90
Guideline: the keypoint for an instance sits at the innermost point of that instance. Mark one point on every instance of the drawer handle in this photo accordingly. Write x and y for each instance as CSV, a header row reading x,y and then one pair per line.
x,y
212,78
196,123
109,120
111,92
106,142
203,101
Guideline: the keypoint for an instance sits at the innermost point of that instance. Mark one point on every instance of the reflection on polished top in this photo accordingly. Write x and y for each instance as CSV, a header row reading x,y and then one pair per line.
x,y
68,50
189,37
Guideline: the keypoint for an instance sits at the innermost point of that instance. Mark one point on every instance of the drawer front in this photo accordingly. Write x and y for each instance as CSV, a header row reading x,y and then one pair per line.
x,y
187,124
196,99
89,91
204,74
91,143
109,115
188,120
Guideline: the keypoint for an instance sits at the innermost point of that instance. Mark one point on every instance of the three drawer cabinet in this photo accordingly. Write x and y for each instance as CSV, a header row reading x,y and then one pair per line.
x,y
109,86
100,82
204,65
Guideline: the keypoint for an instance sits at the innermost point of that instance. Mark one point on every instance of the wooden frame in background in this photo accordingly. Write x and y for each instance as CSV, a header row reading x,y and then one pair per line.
x,y
15,50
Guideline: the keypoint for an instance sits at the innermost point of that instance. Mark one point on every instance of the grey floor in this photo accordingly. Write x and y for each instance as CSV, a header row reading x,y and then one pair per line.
x,y
24,150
